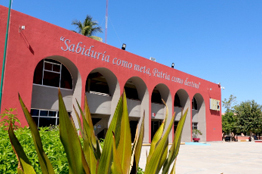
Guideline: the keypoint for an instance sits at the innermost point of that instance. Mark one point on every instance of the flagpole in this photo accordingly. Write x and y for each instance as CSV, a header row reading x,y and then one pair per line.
x,y
4,57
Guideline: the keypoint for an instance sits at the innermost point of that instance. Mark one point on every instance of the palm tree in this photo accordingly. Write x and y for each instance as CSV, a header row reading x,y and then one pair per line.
x,y
88,28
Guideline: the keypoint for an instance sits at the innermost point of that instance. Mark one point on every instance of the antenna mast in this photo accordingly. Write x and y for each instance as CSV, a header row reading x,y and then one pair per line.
x,y
106,21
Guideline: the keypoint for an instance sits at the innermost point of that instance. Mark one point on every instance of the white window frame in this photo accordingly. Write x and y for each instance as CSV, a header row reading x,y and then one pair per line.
x,y
38,116
46,70
60,75
48,110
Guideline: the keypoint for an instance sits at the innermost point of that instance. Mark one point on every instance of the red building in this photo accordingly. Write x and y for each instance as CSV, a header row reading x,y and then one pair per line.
x,y
42,57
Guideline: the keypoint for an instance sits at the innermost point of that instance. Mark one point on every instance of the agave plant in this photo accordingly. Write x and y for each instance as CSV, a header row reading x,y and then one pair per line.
x,y
119,155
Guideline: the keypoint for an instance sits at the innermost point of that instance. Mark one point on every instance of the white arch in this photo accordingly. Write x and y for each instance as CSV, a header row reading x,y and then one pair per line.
x,y
138,107
185,104
102,105
45,97
158,109
199,115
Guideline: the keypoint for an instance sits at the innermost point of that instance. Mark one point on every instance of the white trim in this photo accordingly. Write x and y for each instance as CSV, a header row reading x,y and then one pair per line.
x,y
52,62
53,72
99,93
56,117
46,86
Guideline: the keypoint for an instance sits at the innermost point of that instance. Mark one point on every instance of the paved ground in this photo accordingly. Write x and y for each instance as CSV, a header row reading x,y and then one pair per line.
x,y
217,158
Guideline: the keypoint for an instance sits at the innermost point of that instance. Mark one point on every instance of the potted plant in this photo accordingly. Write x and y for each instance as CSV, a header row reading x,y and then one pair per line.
x,y
195,133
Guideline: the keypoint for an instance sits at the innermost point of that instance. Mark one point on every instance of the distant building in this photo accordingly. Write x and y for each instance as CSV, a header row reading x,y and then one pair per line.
x,y
42,57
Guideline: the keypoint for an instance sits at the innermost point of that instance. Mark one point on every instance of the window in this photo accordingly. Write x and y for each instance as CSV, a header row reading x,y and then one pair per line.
x,y
96,82
131,91
45,118
52,73
155,124
175,125
194,104
156,97
177,101
194,125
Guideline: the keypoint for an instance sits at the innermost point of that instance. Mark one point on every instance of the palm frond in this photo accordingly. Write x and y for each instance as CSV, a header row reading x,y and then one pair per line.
x,y
88,27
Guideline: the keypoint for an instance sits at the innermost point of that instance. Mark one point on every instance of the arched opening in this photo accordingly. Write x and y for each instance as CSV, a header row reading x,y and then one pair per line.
x,y
177,102
199,116
50,74
96,83
194,104
137,99
156,96
101,87
158,110
131,91
182,101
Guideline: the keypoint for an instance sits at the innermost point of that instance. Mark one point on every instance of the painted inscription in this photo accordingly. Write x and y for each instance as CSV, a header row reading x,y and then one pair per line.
x,y
90,51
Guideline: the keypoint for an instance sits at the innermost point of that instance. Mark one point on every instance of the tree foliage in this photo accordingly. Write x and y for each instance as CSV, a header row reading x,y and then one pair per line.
x,y
229,122
229,119
249,117
229,103
88,28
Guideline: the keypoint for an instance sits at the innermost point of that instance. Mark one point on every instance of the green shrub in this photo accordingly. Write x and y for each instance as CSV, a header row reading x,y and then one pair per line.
x,y
8,162
9,116
51,144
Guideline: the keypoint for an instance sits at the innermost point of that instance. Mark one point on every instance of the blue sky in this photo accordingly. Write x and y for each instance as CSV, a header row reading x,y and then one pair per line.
x,y
217,40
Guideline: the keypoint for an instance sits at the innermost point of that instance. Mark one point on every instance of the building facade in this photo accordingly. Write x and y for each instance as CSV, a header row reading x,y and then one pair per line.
x,y
42,57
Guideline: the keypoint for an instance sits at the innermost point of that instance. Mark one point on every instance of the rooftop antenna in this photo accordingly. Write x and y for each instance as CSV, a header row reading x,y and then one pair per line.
x,y
106,21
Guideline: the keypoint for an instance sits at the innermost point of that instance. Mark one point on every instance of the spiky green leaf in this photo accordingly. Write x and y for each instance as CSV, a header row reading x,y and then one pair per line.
x,y
124,146
42,158
88,118
78,120
163,157
137,145
91,149
70,140
173,171
158,134
88,147
106,156
28,169
153,164
116,164
173,152
24,165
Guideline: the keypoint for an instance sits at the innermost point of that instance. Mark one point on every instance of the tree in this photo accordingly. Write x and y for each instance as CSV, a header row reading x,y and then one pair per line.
x,y
229,121
249,117
88,28
229,118
229,104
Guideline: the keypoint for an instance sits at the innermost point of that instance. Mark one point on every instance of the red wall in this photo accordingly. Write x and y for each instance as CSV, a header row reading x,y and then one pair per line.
x,y
40,40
